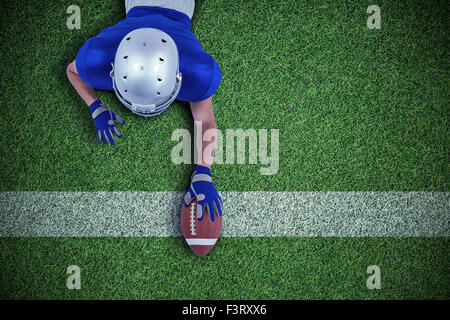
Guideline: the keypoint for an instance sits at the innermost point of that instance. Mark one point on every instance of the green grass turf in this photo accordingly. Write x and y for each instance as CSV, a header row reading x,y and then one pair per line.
x,y
357,109
262,268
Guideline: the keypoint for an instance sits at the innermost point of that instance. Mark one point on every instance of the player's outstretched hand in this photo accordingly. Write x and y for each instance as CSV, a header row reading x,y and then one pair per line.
x,y
104,121
202,188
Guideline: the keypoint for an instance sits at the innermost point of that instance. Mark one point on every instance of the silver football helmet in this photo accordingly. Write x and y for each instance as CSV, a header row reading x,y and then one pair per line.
x,y
145,74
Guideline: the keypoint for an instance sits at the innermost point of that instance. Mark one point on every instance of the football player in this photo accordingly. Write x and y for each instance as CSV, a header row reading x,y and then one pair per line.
x,y
149,59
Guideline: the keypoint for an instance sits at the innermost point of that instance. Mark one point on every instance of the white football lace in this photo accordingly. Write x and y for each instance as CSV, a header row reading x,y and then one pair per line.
x,y
193,218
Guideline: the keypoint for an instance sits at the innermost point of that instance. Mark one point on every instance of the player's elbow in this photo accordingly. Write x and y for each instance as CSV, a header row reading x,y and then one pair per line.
x,y
68,72
71,69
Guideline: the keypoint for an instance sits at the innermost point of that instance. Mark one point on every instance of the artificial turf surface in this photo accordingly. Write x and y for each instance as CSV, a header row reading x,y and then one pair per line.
x,y
250,268
357,110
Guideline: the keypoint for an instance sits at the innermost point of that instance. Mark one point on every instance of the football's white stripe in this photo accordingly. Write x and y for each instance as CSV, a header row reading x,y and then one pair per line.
x,y
201,242
247,214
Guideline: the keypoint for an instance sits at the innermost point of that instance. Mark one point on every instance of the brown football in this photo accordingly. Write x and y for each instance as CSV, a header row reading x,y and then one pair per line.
x,y
201,235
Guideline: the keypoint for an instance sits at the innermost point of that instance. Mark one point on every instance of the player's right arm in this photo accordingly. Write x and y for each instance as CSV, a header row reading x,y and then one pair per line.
x,y
85,91
104,119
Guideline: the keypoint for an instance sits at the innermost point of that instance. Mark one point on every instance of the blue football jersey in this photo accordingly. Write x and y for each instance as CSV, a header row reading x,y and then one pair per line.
x,y
201,73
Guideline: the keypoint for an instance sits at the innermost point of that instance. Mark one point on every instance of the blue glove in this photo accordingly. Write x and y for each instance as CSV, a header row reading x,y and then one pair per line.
x,y
203,189
104,122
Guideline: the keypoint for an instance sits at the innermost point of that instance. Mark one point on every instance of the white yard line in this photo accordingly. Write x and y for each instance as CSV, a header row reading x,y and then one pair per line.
x,y
247,214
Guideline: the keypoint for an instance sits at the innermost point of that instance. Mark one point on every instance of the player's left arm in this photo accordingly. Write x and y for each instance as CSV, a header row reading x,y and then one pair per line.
x,y
202,187
202,112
